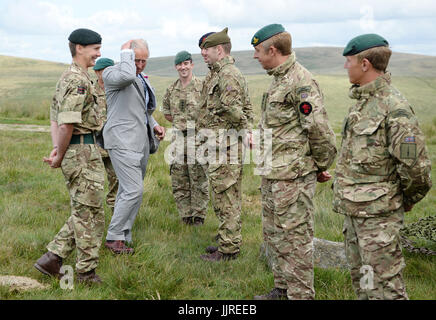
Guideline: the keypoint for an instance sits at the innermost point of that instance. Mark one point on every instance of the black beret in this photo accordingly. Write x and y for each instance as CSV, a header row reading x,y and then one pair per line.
x,y
84,37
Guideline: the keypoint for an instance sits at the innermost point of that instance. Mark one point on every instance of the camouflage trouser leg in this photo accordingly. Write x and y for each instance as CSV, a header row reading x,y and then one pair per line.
x,y
288,230
225,181
373,249
84,175
199,190
181,189
112,182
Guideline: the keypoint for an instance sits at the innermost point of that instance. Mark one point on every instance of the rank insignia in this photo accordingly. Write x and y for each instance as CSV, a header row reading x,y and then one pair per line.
x,y
305,108
81,90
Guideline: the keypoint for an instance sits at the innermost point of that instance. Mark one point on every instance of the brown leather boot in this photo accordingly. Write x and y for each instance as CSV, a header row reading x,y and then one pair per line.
x,y
274,294
118,247
89,277
49,264
188,221
218,256
211,249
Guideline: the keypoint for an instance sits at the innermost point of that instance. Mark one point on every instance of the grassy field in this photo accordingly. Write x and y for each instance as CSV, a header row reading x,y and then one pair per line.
x,y
34,205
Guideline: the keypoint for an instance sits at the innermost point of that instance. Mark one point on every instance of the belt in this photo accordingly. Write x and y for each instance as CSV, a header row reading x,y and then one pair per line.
x,y
82,139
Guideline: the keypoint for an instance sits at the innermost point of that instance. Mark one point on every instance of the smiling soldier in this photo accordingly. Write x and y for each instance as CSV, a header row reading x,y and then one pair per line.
x,y
180,105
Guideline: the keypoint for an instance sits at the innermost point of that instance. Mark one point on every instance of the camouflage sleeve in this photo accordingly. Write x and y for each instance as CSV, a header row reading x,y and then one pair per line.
x,y
313,118
232,100
166,103
53,110
71,100
248,110
406,144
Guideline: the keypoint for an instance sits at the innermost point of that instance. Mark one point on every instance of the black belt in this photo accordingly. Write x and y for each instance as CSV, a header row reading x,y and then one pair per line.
x,y
87,139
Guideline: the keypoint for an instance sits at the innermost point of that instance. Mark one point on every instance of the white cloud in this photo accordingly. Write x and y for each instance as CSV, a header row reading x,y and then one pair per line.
x,y
40,28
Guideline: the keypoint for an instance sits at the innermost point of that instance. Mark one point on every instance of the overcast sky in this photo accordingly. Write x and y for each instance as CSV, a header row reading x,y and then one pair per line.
x,y
39,29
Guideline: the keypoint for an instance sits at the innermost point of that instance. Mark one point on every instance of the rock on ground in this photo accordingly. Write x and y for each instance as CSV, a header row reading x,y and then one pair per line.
x,y
21,283
327,254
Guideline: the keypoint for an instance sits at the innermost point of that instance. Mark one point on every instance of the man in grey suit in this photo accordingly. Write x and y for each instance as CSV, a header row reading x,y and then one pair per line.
x,y
128,137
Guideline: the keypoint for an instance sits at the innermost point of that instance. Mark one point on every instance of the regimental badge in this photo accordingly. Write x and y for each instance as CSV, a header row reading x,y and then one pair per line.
x,y
255,40
81,90
305,108
408,151
182,105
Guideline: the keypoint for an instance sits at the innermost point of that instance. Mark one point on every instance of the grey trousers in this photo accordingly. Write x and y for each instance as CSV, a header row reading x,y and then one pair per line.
x,y
130,168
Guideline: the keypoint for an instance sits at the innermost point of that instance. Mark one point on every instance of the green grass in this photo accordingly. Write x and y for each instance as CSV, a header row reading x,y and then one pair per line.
x,y
34,205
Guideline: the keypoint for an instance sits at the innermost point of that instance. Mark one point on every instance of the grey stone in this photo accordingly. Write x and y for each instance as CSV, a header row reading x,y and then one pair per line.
x,y
327,254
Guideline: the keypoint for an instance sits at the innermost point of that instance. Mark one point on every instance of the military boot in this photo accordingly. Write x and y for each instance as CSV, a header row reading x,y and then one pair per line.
x,y
211,249
188,221
49,264
218,256
275,294
89,277
198,221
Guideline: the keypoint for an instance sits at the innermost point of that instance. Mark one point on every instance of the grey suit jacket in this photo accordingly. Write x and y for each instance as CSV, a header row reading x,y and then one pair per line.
x,y
126,127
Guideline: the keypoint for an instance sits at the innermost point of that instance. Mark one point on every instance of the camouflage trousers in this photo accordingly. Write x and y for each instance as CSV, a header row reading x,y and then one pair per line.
x,y
190,189
84,176
287,220
373,249
111,177
226,195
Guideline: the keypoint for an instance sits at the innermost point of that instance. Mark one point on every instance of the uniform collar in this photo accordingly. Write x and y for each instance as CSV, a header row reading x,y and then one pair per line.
x,y
178,85
369,89
282,69
217,66
76,68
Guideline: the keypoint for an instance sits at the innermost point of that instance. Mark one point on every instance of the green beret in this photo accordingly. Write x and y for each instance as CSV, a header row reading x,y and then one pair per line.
x,y
266,33
364,42
182,56
84,37
103,63
216,39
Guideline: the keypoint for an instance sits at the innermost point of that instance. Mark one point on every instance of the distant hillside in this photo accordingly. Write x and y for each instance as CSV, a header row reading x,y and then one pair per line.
x,y
319,60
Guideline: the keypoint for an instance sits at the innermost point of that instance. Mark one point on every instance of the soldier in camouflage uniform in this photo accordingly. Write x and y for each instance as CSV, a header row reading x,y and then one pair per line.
x,y
225,106
383,169
102,64
74,120
303,148
180,105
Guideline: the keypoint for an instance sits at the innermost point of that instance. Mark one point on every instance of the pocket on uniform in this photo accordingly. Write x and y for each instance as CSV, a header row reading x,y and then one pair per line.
x,y
89,188
278,111
222,177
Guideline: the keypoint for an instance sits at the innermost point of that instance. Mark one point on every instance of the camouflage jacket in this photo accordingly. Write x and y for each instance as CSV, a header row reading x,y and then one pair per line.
x,y
225,103
101,102
383,161
75,101
182,103
293,108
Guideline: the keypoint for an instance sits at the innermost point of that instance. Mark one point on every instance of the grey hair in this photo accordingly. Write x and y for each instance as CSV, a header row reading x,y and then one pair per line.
x,y
140,44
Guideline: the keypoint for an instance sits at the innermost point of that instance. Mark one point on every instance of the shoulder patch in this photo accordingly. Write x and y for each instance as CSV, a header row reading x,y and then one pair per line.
x,y
305,108
304,89
81,89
